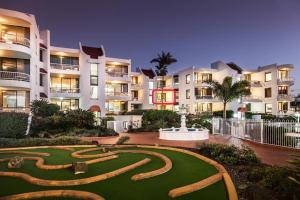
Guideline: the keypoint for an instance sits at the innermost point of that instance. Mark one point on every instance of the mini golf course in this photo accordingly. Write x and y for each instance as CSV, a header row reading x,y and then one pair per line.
x,y
118,172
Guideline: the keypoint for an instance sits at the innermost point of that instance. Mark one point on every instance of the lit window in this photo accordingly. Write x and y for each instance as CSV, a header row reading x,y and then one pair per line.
x,y
188,94
188,79
94,69
268,76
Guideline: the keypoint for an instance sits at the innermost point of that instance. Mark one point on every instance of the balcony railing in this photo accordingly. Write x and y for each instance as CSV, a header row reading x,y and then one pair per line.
x,y
136,99
125,94
287,80
204,97
16,76
252,98
14,39
61,66
18,109
255,83
285,97
64,90
117,74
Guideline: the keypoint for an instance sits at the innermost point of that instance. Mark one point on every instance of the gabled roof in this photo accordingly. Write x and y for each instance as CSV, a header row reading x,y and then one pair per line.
x,y
93,52
235,67
148,72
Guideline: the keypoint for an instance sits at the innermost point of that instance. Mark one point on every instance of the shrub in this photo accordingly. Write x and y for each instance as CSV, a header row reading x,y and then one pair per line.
x,y
80,118
153,120
295,169
63,140
42,108
229,154
136,112
122,140
96,132
229,114
13,125
199,121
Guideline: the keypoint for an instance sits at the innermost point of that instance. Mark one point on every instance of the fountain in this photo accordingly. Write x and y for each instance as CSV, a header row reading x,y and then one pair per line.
x,y
183,133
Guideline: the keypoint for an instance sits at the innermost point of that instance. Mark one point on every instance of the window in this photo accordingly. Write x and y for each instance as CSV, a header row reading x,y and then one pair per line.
x,y
283,74
203,107
268,108
247,77
134,80
41,55
206,77
94,92
177,94
188,94
66,104
176,79
68,85
161,83
94,80
94,74
283,90
283,106
268,76
41,79
15,99
268,92
188,79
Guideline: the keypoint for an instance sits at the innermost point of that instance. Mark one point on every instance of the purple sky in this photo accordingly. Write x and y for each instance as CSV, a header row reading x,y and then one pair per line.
x,y
247,32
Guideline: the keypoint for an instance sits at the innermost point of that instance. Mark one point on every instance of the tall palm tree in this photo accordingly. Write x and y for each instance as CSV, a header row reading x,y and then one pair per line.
x,y
227,91
162,62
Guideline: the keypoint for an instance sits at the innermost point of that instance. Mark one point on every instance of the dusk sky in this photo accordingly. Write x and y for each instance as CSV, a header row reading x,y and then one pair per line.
x,y
250,33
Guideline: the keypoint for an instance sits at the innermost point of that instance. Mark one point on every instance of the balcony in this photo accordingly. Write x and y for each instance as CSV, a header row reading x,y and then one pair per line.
x,y
136,86
136,100
206,97
285,81
117,76
14,79
285,97
122,96
255,84
64,68
14,39
252,98
64,92
19,109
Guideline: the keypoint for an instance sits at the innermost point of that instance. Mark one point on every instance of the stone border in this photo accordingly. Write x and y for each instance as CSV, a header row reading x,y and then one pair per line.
x,y
231,191
54,193
26,153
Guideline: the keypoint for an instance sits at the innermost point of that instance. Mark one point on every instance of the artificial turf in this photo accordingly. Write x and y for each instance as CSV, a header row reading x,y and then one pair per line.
x,y
186,170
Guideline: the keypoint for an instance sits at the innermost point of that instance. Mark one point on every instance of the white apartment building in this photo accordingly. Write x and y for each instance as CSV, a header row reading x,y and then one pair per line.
x,y
31,68
270,88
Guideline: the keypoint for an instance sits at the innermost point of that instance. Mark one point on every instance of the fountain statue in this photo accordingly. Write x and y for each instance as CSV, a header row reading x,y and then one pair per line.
x,y
183,133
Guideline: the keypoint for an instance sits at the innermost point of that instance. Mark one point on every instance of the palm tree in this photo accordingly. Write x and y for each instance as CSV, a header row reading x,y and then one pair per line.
x,y
162,61
228,91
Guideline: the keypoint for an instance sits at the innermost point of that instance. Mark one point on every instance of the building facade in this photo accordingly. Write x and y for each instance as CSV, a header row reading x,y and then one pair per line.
x,y
32,68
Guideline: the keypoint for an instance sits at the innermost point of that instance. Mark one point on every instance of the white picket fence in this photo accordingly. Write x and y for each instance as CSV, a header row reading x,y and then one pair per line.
x,y
280,133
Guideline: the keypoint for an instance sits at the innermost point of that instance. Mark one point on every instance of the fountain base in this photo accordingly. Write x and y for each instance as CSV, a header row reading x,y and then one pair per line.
x,y
186,134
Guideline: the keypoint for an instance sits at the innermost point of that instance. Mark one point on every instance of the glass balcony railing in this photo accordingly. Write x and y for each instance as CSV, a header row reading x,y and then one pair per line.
x,y
64,66
14,39
285,80
116,74
64,90
125,94
204,96
16,76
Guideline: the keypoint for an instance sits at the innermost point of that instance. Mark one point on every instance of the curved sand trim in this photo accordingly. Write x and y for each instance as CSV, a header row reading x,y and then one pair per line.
x,y
25,153
232,194
77,154
40,162
54,193
101,177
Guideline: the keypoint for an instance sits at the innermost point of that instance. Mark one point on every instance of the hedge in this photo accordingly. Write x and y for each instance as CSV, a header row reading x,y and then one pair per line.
x,y
13,125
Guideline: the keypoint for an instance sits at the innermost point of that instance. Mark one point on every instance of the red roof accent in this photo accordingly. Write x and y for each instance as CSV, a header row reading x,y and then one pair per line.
x,y
95,108
42,70
43,46
93,52
43,95
148,72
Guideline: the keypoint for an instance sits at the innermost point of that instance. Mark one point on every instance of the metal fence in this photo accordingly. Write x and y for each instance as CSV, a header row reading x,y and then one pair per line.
x,y
280,133
17,76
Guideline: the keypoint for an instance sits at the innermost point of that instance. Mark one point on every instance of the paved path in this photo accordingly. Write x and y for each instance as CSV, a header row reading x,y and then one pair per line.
x,y
271,155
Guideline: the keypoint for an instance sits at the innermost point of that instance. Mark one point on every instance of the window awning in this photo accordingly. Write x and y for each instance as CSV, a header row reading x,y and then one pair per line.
x,y
95,108
42,70
43,95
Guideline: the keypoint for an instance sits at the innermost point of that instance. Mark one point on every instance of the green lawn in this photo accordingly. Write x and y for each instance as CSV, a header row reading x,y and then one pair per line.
x,y
186,169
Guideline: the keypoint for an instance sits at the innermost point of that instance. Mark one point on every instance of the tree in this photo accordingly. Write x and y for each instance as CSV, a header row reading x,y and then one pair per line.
x,y
162,61
41,108
227,91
